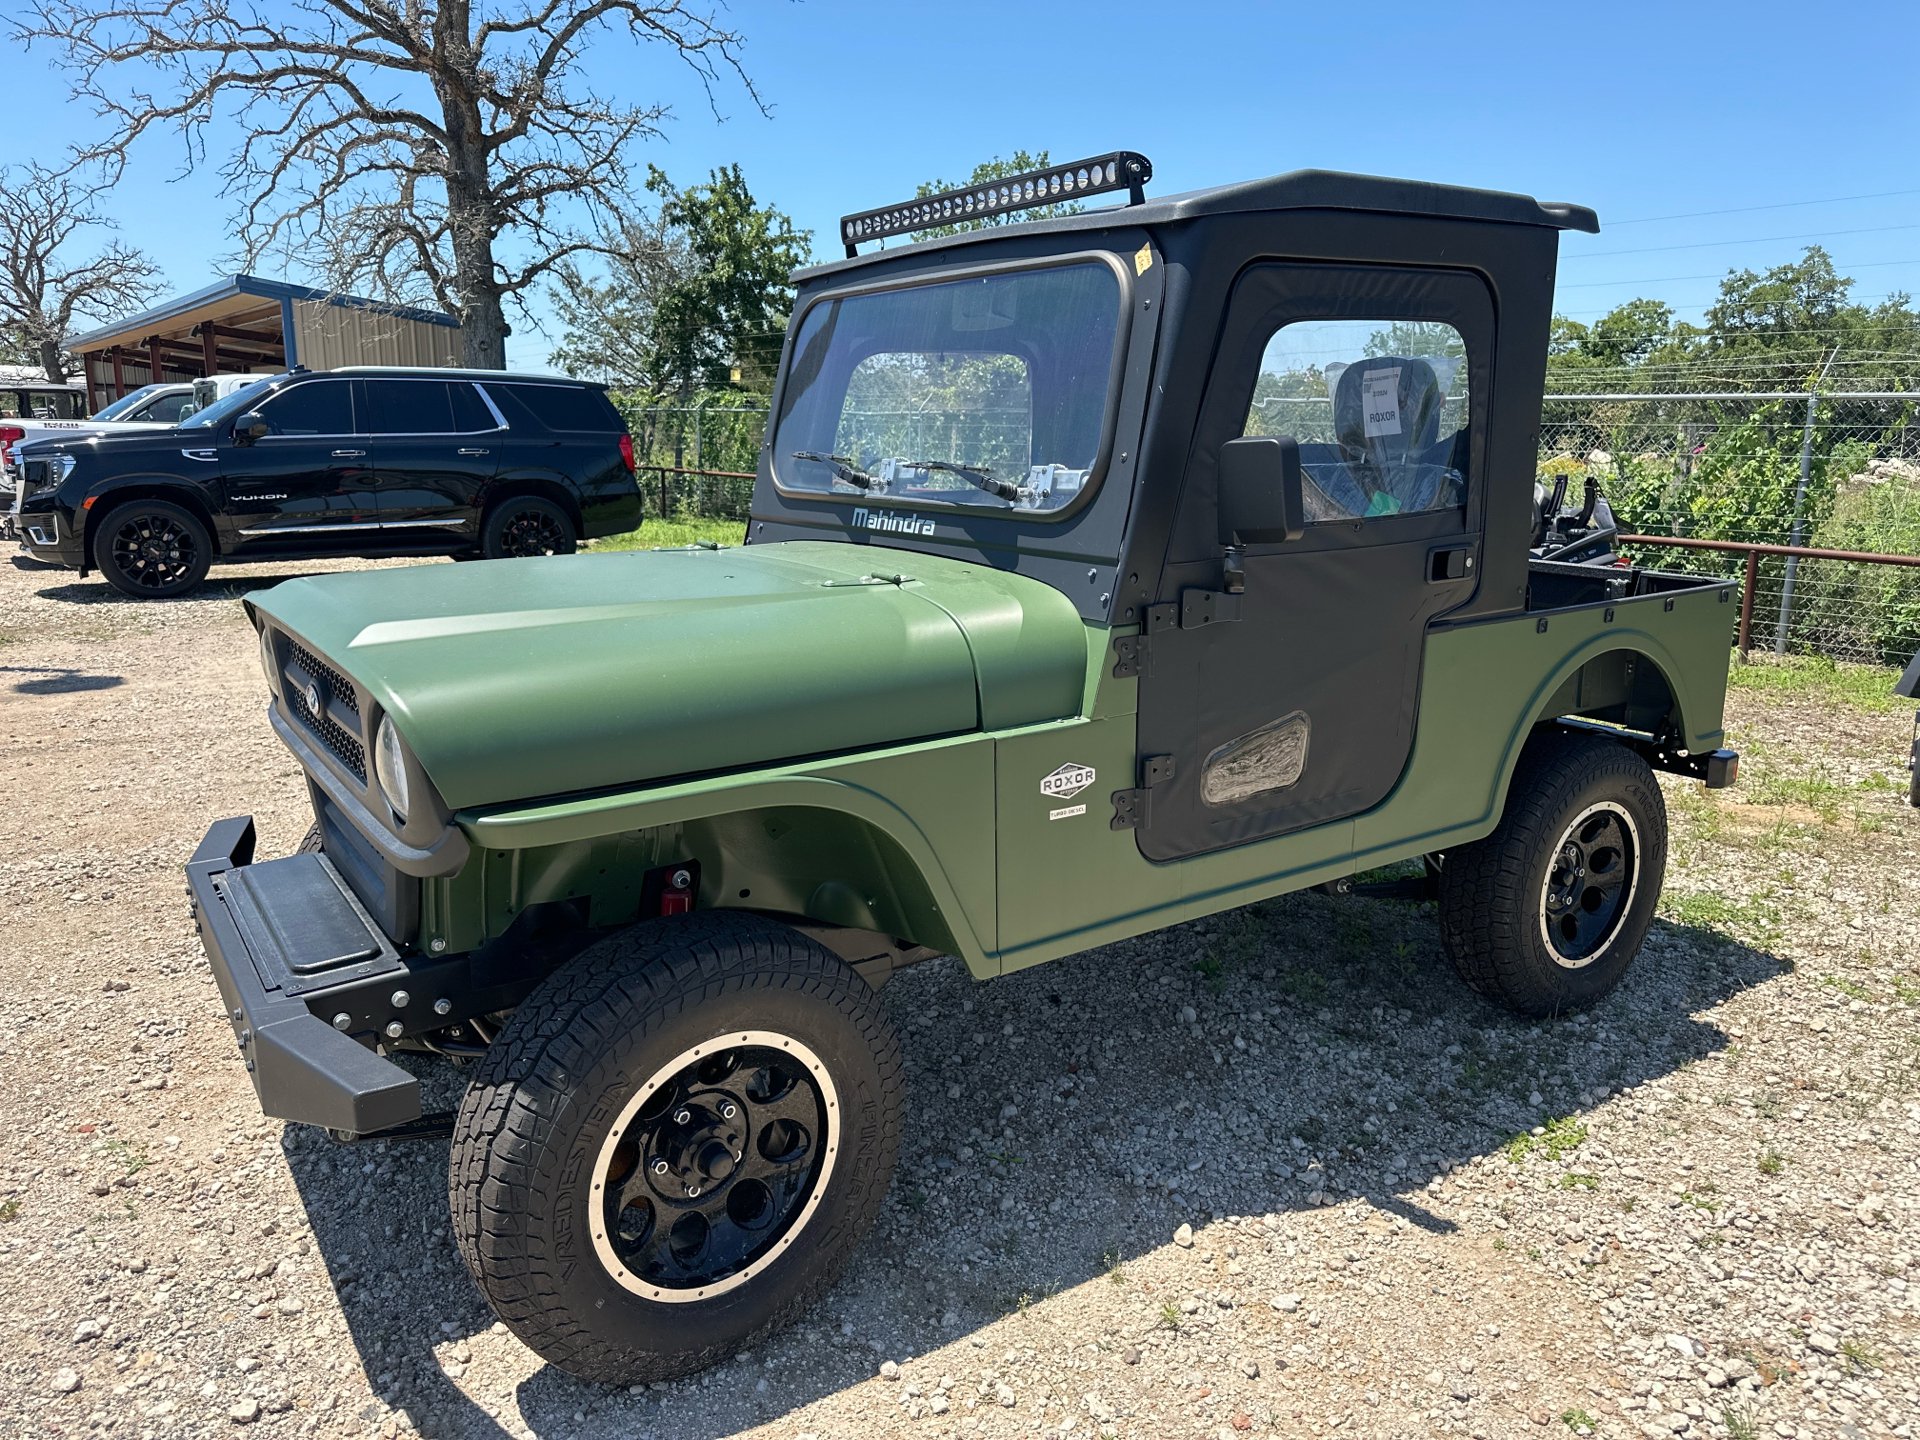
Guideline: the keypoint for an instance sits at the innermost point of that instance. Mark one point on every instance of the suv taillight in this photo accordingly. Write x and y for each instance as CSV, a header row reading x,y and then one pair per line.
x,y
626,450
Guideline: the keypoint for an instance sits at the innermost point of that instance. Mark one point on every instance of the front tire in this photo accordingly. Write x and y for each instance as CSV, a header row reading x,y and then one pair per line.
x,y
526,525
672,1148
1547,912
152,549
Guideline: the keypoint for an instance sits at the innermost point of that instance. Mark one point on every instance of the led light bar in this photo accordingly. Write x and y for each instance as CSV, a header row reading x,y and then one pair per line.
x,y
1118,170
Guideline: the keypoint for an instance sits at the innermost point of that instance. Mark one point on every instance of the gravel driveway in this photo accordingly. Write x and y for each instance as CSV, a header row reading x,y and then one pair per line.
x,y
1274,1171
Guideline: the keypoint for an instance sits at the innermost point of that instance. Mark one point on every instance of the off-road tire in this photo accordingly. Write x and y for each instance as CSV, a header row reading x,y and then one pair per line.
x,y
524,525
152,549
1492,892
313,842
554,1082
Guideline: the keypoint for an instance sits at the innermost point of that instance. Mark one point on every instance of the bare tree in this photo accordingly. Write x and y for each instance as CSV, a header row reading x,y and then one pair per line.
x,y
416,150
43,286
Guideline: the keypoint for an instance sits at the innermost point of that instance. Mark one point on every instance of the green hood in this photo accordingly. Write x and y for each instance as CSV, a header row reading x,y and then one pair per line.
x,y
516,679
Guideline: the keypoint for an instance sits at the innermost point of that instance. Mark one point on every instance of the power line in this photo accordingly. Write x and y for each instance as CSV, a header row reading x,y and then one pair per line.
x,y
1668,279
1751,209
1750,240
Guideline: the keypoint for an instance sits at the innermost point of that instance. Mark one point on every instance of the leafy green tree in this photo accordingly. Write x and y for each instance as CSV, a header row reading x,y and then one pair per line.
x,y
723,320
694,297
995,169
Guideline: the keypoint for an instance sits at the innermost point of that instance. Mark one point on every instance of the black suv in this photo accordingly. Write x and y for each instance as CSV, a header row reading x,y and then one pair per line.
x,y
358,461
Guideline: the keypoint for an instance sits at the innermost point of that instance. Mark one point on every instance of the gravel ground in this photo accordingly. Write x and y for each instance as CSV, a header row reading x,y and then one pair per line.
x,y
1278,1170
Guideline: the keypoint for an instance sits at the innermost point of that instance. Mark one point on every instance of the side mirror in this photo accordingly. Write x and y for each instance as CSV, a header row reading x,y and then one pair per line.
x,y
251,427
1259,491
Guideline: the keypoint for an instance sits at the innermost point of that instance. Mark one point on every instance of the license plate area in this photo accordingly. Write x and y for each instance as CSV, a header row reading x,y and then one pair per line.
x,y
305,930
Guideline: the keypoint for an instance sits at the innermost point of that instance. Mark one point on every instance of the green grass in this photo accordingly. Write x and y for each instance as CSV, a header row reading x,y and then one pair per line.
x,y
1569,1180
1865,687
1577,1419
1847,987
1770,1162
1708,910
9,1209
1740,1425
684,530
1862,1357
1170,1315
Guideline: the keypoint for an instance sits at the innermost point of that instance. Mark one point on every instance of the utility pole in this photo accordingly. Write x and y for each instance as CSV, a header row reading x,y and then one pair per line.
x,y
1799,505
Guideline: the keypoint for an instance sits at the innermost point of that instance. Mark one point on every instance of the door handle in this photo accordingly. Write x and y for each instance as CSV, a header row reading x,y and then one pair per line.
x,y
1454,562
348,454
469,452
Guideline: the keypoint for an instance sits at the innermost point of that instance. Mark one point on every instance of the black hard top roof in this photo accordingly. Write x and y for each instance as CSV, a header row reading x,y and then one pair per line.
x,y
1295,190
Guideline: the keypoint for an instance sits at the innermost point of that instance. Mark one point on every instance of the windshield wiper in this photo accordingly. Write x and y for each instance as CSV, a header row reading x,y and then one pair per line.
x,y
974,475
843,469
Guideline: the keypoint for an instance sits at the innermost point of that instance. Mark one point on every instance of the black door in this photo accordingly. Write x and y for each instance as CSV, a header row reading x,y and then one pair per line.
x,y
436,445
1301,710
308,483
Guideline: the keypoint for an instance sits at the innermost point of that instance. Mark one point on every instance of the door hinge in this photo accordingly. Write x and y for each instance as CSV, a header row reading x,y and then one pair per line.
x,y
1200,608
1133,809
1129,656
1162,617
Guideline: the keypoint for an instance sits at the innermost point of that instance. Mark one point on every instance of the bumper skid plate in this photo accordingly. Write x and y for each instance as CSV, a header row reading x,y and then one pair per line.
x,y
274,932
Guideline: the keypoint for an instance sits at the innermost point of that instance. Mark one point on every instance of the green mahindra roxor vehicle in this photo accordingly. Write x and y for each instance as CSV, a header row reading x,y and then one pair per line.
x,y
1103,572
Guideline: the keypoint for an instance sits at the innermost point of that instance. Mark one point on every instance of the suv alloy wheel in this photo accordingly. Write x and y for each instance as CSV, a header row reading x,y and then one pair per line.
x,y
527,525
152,549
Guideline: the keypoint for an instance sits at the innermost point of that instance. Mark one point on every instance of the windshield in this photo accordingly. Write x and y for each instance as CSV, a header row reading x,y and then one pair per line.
x,y
223,409
989,391
129,401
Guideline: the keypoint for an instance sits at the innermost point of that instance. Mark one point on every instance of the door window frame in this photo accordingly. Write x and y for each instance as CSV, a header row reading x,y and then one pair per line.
x,y
1266,297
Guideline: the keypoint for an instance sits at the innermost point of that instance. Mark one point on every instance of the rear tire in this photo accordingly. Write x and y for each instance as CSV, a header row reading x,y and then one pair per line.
x,y
525,525
152,549
1547,912
672,1148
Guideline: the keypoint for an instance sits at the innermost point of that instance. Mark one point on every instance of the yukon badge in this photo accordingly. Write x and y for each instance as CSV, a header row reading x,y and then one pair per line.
x,y
1068,780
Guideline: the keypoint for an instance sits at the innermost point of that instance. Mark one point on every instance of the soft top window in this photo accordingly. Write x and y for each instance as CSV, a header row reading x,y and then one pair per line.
x,y
985,391
1379,408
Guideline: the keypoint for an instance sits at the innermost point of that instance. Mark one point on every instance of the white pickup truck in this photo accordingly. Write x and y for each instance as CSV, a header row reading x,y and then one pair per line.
x,y
151,407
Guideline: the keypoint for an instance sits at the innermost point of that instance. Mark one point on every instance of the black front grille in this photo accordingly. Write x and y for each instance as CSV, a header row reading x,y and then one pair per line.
x,y
337,684
345,745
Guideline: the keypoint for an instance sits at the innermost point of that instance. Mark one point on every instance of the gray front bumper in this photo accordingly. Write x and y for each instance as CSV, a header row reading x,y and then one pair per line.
x,y
302,1068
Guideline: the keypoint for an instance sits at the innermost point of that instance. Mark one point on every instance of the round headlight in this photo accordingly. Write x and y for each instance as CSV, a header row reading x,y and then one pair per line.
x,y
269,662
390,765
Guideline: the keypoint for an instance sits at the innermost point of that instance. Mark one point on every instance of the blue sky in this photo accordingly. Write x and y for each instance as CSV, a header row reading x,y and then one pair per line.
x,y
1643,111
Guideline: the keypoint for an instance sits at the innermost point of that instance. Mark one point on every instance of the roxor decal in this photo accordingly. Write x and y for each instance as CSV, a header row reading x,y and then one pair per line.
x,y
1067,780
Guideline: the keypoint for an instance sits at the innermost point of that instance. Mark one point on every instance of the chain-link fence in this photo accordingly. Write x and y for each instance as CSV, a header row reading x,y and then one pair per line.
x,y
695,459
1841,473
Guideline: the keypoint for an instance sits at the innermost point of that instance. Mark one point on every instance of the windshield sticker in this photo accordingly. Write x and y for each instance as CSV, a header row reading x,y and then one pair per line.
x,y
865,519
1066,782
1380,396
1142,258
1068,813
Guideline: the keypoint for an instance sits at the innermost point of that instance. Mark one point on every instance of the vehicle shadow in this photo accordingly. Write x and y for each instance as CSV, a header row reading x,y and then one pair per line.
x,y
1066,1119
56,681
213,590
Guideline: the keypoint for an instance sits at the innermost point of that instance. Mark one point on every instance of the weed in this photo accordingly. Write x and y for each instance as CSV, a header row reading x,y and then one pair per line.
x,y
1562,1135
1907,990
1518,1148
1863,687
1213,971
1577,1420
1739,1425
1860,1356
1767,1107
1355,932
1006,1157
1404,968
1709,1240
1499,1242
1733,919
131,1160
1533,1252
1770,1161
1569,1180
1847,987
1110,1258
9,1209
915,1199
1699,1202
1170,1315
1626,1205
1010,1242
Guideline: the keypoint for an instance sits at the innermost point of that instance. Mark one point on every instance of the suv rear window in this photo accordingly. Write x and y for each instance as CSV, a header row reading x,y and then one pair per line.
x,y
558,407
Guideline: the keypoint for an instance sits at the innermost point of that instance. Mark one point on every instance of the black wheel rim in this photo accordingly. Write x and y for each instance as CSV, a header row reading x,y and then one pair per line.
x,y
532,532
153,551
714,1166
1590,883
